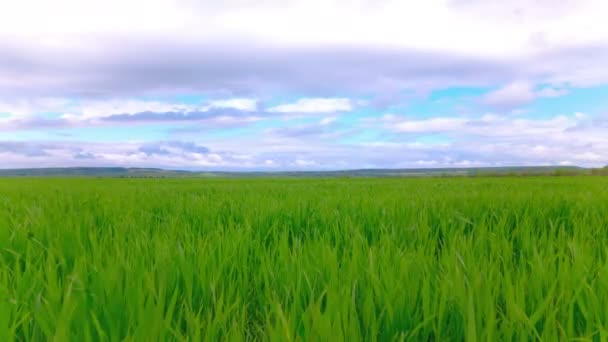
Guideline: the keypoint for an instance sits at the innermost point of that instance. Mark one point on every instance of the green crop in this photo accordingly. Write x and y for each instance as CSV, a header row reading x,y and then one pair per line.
x,y
476,259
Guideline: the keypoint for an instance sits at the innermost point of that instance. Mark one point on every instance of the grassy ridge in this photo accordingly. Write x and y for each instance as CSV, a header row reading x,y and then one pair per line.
x,y
304,259
119,172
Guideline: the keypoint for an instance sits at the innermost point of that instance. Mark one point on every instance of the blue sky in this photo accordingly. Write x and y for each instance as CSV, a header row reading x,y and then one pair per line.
x,y
252,85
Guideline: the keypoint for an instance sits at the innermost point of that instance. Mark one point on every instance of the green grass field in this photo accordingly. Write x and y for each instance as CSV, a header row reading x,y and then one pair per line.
x,y
438,259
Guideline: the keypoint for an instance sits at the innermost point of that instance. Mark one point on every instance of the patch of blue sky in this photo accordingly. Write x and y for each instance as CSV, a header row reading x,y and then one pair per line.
x,y
375,135
190,99
358,114
29,135
449,94
446,103
433,139
190,132
365,136
591,101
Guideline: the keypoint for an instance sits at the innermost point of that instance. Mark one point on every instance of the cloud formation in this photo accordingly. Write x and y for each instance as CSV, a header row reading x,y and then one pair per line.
x,y
172,148
120,70
434,142
314,105
517,94
303,84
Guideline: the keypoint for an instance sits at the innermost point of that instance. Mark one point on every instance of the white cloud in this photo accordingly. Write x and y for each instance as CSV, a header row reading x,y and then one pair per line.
x,y
327,121
490,140
314,105
482,27
590,157
511,95
104,108
432,24
488,125
97,59
65,17
551,92
93,47
426,163
429,125
520,93
84,110
304,163
243,104
25,108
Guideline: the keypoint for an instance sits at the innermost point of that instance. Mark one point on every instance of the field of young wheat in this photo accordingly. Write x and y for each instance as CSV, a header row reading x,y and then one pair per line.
x,y
304,259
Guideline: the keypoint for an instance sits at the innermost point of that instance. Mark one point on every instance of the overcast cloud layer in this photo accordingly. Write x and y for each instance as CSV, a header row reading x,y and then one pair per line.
x,y
294,84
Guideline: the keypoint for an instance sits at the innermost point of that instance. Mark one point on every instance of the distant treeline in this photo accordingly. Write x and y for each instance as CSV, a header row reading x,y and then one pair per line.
x,y
600,172
517,171
540,172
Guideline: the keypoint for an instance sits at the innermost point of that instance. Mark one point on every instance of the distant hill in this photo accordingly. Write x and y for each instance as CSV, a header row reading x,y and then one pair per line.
x,y
161,173
90,172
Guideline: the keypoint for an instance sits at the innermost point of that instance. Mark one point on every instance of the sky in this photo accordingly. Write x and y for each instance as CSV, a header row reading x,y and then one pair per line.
x,y
303,84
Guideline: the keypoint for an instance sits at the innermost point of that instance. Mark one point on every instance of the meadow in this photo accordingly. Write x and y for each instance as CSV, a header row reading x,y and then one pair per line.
x,y
426,259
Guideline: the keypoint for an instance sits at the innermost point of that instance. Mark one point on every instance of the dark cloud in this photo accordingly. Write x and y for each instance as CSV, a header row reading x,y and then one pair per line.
x,y
110,68
130,68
